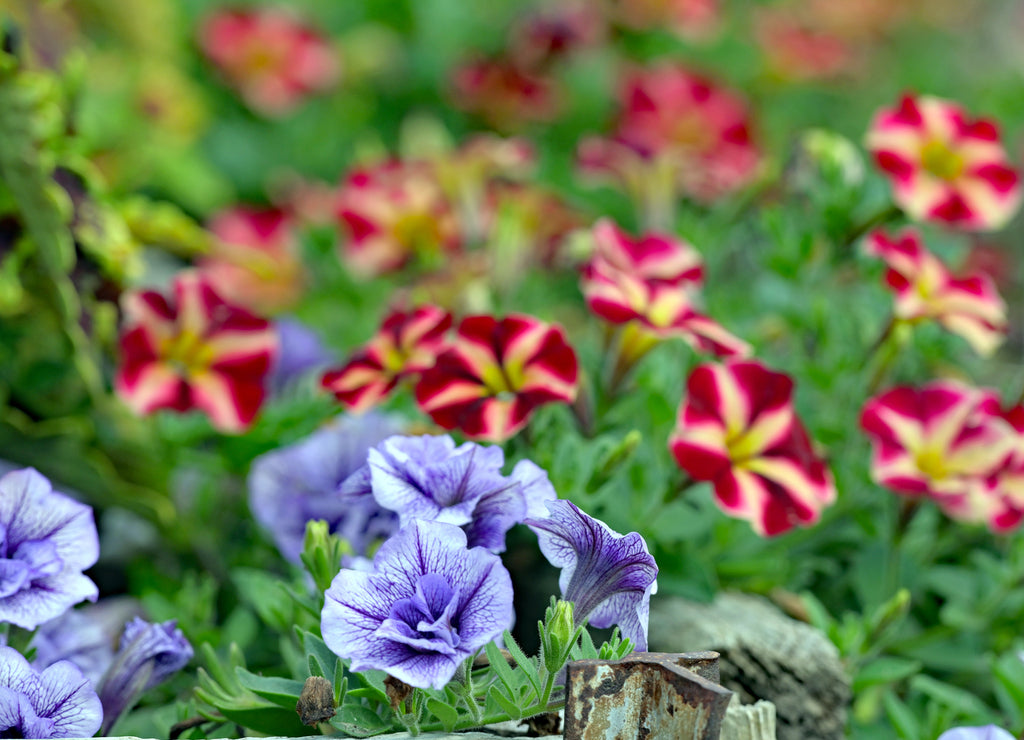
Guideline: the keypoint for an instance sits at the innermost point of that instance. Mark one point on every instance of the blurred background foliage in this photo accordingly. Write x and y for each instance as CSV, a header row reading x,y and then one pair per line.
x,y
119,141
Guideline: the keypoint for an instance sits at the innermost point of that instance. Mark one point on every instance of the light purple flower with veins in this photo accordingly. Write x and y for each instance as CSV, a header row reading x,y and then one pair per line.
x,y
56,702
988,732
609,577
148,655
429,603
303,481
46,540
429,478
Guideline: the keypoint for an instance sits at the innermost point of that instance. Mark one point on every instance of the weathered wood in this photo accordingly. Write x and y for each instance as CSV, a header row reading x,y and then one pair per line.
x,y
765,655
749,721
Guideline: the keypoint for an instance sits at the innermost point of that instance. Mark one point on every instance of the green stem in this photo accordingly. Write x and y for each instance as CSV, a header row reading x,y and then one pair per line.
x,y
469,723
883,216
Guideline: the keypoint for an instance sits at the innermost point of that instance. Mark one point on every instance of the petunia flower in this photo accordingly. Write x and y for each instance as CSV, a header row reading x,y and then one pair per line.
x,y
46,541
55,702
945,441
969,306
429,603
693,20
737,429
295,484
393,214
147,655
429,478
609,577
651,284
988,732
194,350
272,58
300,351
495,373
255,260
504,93
677,132
406,344
944,166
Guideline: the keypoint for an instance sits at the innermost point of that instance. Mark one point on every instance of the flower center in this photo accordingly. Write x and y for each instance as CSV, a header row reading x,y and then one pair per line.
x,y
932,463
187,352
426,620
939,160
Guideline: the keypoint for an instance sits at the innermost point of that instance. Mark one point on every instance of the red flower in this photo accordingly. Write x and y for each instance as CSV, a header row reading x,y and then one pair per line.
x,y
969,306
395,213
944,166
273,59
495,374
949,442
407,343
651,284
737,428
503,93
679,126
255,259
194,350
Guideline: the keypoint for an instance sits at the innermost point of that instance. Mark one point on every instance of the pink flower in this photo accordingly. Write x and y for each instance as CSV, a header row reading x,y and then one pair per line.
x,y
269,56
946,441
505,94
395,213
495,374
194,350
799,50
969,306
944,166
737,428
651,283
547,35
690,19
406,344
255,259
678,125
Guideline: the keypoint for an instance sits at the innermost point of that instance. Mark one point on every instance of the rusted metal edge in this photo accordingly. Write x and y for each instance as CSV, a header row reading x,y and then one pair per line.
x,y
645,695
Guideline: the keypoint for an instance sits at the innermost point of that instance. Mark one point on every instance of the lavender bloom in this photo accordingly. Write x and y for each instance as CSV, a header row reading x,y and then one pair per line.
x,y
148,655
298,483
430,478
46,541
57,702
428,604
988,732
608,576
300,352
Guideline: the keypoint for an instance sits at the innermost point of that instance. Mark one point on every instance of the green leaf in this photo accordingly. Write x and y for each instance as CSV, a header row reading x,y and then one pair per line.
x,y
948,695
509,706
358,721
500,667
317,649
885,670
903,720
447,714
281,691
340,683
522,661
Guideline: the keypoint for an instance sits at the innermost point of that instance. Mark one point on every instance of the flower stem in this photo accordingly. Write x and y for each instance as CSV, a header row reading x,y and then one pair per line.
x,y
880,217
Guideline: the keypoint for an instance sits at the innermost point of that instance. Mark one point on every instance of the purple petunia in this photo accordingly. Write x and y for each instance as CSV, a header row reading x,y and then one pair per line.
x,y
301,482
608,576
46,540
148,655
429,478
56,702
988,732
429,603
300,352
